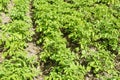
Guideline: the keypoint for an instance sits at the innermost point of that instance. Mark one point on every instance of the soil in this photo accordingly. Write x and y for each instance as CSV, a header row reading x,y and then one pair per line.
x,y
32,49
5,18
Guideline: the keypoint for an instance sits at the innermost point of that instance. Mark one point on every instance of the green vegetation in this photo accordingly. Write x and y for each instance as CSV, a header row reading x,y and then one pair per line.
x,y
3,5
14,35
78,38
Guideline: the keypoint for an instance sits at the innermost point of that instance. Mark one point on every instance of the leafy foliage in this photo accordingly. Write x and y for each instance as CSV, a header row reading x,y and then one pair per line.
x,y
3,5
78,38
69,27
14,37
17,69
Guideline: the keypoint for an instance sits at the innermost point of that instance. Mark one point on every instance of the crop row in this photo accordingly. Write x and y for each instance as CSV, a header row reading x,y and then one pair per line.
x,y
14,37
60,59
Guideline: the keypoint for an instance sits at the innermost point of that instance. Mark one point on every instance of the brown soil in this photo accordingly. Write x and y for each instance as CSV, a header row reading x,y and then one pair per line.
x,y
5,18
32,49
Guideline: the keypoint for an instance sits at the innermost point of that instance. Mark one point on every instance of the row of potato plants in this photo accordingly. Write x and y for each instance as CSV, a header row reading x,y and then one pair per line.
x,y
60,59
79,37
13,39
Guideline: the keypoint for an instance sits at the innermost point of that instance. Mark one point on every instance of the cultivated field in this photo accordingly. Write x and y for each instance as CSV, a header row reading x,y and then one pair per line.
x,y
59,39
